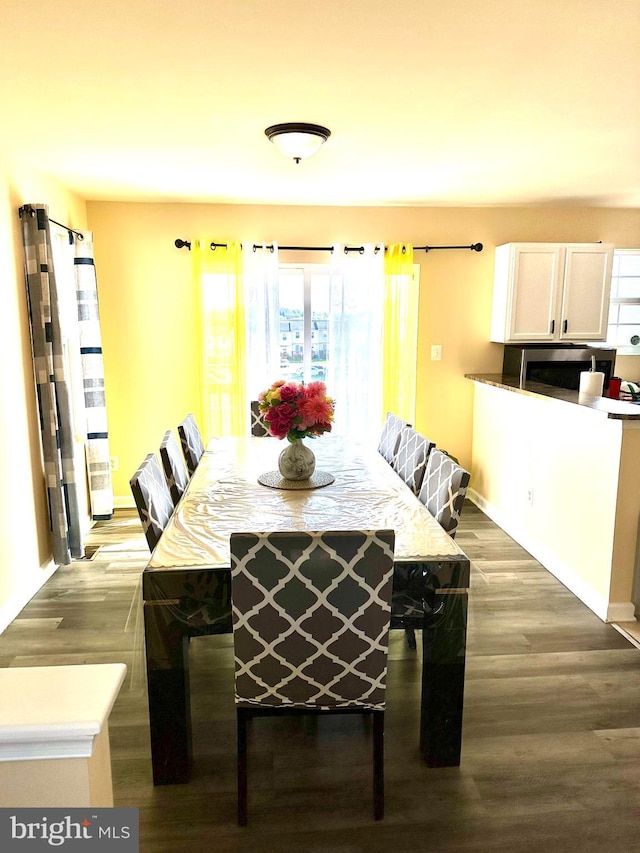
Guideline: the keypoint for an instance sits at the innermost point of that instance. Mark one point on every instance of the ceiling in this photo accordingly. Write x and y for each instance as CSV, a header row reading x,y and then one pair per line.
x,y
455,102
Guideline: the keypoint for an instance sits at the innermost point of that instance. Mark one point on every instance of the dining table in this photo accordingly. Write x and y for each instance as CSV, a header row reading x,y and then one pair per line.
x,y
186,585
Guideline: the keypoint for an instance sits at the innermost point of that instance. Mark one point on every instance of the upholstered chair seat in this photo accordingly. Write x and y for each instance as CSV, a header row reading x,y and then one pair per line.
x,y
411,457
443,491
257,424
390,436
173,466
191,441
311,615
153,499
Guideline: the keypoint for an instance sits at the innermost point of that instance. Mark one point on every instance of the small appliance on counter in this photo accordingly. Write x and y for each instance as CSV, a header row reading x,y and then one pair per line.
x,y
557,365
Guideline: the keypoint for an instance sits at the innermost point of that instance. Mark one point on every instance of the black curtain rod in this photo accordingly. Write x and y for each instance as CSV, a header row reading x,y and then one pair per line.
x,y
475,247
26,208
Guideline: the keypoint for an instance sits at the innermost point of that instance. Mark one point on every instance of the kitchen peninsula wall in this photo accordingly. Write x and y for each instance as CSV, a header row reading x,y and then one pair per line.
x,y
560,477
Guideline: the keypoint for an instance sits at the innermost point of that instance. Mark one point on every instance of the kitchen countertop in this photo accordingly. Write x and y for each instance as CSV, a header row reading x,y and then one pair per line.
x,y
618,409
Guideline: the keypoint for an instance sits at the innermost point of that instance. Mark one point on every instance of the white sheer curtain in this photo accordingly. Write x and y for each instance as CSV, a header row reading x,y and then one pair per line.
x,y
354,368
262,317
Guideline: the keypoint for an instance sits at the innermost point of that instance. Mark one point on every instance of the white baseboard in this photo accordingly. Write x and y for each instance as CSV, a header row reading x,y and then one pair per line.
x,y
22,596
622,611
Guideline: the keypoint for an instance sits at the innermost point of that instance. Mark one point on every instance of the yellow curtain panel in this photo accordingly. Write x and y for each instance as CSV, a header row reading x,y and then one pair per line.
x,y
218,277
400,333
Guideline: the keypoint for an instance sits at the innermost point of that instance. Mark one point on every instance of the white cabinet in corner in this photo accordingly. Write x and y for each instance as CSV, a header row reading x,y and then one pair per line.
x,y
548,292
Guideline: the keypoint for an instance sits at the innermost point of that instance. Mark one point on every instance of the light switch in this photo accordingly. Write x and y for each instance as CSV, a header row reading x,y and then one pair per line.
x,y
436,352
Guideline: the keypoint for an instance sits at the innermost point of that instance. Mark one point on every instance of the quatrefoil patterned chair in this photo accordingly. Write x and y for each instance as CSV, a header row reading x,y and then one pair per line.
x,y
173,465
257,424
390,436
191,441
311,615
153,499
411,457
443,491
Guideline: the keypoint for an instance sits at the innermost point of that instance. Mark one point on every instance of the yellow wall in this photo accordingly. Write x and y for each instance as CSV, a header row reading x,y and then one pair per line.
x,y
147,311
25,555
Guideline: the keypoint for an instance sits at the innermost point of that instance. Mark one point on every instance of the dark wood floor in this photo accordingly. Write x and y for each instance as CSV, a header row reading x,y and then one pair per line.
x,y
551,748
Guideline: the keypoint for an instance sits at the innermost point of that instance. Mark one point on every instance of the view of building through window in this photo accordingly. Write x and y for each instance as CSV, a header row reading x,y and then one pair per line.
x,y
304,323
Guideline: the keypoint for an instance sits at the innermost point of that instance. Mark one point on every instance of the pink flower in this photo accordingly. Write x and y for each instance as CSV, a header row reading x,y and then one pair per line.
x,y
316,409
279,430
315,389
288,392
292,410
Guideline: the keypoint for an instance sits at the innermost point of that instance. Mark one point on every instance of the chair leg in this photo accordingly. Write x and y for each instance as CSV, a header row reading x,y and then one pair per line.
x,y
378,765
242,766
410,636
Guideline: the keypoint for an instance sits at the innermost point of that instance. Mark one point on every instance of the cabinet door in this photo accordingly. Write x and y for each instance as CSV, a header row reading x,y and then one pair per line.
x,y
585,305
536,279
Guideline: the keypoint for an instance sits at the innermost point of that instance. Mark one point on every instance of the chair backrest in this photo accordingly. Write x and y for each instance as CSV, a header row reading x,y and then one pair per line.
x,y
443,490
311,618
411,457
175,472
390,436
191,441
257,424
153,499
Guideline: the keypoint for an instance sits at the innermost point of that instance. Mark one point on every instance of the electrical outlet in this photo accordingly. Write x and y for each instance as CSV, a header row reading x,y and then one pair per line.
x,y
115,463
530,496
436,352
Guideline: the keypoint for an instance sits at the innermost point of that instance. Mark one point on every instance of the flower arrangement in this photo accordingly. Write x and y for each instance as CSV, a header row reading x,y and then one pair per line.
x,y
294,410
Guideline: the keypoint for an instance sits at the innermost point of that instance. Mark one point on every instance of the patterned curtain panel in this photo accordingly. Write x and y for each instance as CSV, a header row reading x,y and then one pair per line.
x,y
52,385
97,438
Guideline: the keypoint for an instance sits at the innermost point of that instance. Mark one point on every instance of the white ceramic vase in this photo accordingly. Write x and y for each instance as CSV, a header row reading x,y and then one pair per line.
x,y
297,461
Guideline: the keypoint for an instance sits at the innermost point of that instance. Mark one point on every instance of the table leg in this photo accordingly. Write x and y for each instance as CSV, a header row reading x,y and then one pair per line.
x,y
169,705
443,664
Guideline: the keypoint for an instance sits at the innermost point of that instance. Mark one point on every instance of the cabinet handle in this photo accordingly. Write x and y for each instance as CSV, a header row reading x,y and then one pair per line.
x,y
565,326
553,327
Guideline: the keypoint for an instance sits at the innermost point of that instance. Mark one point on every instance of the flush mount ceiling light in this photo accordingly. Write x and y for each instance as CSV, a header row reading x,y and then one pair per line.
x,y
296,139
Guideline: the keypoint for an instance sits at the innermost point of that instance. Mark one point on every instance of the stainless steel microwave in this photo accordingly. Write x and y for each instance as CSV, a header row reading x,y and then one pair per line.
x,y
555,365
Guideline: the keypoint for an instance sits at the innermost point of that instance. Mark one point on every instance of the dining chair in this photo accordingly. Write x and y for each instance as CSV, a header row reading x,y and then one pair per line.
x,y
390,436
443,491
153,499
411,457
191,441
175,472
257,424
311,617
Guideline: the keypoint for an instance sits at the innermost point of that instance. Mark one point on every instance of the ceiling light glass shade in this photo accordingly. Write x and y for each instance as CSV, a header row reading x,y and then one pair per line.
x,y
296,139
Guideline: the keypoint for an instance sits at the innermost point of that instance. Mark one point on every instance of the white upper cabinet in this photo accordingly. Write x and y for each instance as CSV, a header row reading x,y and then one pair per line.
x,y
546,292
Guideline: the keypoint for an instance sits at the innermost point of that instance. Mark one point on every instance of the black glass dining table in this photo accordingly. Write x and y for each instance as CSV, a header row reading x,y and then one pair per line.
x,y
186,585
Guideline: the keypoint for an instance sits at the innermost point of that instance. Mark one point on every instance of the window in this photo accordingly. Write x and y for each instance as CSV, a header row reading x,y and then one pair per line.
x,y
346,323
303,297
624,308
